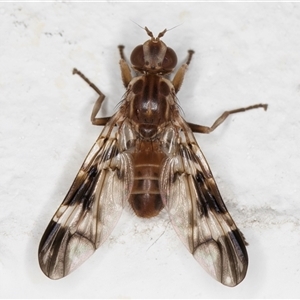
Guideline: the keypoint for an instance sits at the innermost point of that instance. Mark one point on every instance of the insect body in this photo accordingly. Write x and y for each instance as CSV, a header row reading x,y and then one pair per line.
x,y
147,155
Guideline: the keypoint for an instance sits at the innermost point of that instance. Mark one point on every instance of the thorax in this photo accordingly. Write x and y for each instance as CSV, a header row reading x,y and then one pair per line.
x,y
150,101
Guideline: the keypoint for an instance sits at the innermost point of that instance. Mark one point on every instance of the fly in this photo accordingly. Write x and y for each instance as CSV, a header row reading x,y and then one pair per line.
x,y
147,155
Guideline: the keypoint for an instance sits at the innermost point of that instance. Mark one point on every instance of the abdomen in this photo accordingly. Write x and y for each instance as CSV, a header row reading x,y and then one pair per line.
x,y
145,197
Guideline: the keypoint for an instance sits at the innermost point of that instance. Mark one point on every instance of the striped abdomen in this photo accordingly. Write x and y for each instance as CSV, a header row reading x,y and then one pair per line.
x,y
145,197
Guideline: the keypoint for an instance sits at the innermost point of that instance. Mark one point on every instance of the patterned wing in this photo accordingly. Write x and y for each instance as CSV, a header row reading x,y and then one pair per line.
x,y
93,204
197,210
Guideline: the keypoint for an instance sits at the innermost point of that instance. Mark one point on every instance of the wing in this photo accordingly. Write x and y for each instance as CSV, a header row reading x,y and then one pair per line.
x,y
93,204
197,210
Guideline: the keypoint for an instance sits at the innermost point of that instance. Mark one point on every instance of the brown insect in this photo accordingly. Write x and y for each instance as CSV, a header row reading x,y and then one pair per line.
x,y
146,154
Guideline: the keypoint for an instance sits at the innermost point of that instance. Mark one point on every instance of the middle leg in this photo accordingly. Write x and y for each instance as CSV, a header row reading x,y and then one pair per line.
x,y
97,105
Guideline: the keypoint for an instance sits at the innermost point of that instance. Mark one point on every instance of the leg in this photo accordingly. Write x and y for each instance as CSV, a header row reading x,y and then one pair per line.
x,y
125,70
222,118
178,78
97,106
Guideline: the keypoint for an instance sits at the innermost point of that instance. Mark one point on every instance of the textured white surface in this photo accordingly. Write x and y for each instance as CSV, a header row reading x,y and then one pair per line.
x,y
246,53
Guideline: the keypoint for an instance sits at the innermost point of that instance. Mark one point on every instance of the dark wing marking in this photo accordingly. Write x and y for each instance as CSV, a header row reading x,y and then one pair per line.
x,y
92,206
197,210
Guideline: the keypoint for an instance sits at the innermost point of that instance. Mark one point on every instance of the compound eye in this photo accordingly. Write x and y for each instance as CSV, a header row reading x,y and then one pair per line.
x,y
170,60
137,57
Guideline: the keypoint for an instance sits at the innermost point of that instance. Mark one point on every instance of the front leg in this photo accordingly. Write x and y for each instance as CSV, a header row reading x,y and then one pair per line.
x,y
179,76
125,70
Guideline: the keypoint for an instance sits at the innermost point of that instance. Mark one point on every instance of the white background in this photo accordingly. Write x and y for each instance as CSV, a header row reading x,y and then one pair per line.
x,y
246,53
